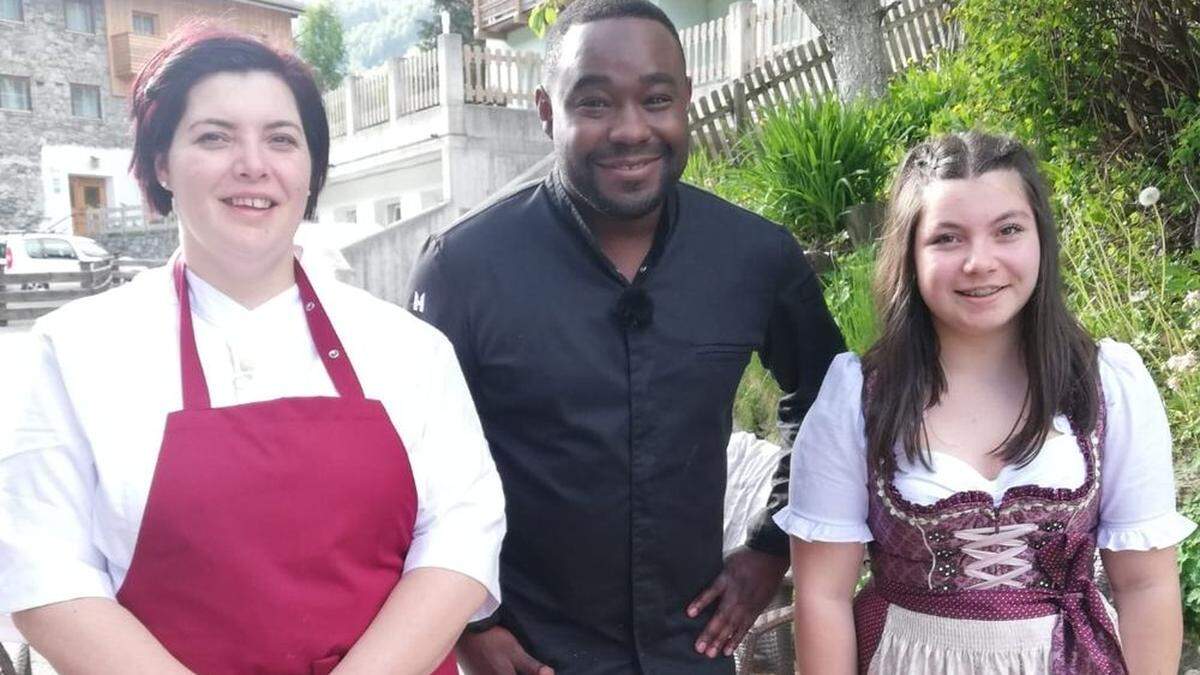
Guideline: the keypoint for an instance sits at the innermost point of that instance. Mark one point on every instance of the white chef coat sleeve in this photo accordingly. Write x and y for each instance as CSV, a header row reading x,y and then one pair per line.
x,y
460,514
827,495
1137,480
47,482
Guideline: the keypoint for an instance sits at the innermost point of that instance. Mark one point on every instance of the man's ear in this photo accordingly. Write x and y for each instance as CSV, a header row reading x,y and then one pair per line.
x,y
541,98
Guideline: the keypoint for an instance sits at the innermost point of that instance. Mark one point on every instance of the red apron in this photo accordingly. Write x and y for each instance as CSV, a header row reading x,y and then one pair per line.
x,y
274,531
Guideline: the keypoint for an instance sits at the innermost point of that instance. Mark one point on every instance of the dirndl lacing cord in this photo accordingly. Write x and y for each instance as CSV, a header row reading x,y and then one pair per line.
x,y
992,548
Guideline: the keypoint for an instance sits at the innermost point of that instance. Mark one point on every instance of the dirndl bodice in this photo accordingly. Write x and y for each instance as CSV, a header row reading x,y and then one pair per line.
x,y
964,557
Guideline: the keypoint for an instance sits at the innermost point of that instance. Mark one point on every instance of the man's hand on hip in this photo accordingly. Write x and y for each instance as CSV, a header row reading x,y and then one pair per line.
x,y
748,582
496,652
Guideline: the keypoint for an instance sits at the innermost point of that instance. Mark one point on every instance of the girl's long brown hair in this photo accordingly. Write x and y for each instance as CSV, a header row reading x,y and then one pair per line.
x,y
903,368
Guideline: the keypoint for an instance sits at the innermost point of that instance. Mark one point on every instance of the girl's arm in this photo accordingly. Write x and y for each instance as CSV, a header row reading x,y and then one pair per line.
x,y
417,626
825,575
94,636
1145,587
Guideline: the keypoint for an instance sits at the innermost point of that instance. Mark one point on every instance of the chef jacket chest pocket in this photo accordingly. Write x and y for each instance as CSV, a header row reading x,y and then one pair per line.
x,y
736,352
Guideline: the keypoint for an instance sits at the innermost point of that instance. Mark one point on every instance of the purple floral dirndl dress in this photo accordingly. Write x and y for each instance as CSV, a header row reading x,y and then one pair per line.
x,y
966,586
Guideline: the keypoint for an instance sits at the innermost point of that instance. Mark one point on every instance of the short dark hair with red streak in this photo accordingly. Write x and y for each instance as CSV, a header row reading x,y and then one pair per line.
x,y
192,53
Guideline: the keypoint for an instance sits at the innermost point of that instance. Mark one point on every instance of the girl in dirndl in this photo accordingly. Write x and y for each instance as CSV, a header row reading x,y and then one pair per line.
x,y
982,451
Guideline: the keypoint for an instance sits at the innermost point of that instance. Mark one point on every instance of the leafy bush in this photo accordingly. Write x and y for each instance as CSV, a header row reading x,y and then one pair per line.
x,y
1189,573
848,295
810,161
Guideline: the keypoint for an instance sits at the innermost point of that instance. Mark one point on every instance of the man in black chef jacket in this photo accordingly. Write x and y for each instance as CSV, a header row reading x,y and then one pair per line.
x,y
603,318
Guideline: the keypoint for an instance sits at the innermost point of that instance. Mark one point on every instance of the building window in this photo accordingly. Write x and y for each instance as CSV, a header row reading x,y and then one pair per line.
x,y
391,212
85,101
346,214
145,24
14,93
10,10
80,16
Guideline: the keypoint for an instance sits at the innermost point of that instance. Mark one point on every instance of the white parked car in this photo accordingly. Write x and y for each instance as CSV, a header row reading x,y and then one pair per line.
x,y
35,253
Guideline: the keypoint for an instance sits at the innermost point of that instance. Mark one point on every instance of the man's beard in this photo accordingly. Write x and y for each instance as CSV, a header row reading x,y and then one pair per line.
x,y
581,181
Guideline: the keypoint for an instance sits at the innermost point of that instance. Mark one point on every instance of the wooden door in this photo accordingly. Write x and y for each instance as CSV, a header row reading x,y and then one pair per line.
x,y
87,195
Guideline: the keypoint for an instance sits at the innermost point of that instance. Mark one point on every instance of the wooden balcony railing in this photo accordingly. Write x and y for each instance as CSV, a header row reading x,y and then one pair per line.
x,y
495,18
131,51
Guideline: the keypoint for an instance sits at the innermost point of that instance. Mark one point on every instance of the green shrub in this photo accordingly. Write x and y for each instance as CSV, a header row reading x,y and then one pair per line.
x,y
1189,573
810,161
848,295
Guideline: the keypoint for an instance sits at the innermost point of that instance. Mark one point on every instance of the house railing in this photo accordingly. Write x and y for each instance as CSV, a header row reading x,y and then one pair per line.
x,y
705,51
370,91
449,74
501,76
415,81
779,26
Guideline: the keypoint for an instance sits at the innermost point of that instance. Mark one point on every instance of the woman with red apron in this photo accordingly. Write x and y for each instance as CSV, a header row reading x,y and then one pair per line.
x,y
295,534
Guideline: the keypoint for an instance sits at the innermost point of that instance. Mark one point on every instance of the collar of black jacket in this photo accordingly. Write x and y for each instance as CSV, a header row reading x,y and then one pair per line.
x,y
570,215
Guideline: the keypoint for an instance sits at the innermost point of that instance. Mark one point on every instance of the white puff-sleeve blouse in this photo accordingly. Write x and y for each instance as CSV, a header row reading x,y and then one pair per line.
x,y
828,491
79,442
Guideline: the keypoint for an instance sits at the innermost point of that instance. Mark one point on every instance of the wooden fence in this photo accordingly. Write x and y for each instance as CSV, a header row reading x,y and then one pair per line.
x,y
25,297
914,31
500,76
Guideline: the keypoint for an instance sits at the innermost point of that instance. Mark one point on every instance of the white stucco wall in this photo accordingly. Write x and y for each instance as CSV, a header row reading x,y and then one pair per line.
x,y
59,162
418,185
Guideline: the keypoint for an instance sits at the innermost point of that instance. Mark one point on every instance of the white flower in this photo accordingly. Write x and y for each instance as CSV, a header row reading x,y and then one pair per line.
x,y
1191,300
1173,383
1138,296
1195,325
1149,196
1182,362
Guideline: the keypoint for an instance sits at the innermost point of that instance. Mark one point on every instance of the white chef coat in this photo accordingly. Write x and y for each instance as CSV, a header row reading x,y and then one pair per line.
x,y
828,490
101,375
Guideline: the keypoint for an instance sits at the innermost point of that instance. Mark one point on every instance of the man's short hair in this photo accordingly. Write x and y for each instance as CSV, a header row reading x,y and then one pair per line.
x,y
586,11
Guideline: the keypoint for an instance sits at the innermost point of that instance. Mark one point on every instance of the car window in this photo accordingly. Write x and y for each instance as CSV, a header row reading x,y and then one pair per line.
x,y
58,248
34,248
91,248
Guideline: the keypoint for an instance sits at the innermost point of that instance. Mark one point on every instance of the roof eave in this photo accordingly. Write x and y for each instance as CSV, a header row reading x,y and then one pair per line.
x,y
293,7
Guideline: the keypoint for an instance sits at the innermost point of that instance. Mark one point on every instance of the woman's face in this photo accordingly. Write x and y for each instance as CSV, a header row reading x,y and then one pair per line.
x,y
977,253
239,170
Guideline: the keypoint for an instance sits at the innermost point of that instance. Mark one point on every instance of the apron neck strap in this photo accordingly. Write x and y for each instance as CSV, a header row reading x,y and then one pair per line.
x,y
329,347
325,338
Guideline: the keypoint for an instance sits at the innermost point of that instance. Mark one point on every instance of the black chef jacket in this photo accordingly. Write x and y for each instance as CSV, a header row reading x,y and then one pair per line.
x,y
609,427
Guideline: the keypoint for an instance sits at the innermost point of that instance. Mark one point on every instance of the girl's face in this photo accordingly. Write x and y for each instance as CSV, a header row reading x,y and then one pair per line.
x,y
977,253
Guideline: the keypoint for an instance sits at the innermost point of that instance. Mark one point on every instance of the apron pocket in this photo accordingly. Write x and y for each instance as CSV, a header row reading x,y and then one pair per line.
x,y
326,665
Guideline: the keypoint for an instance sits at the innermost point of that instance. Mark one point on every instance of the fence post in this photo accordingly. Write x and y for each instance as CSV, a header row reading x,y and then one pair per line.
x,y
351,103
452,90
395,83
741,111
739,26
